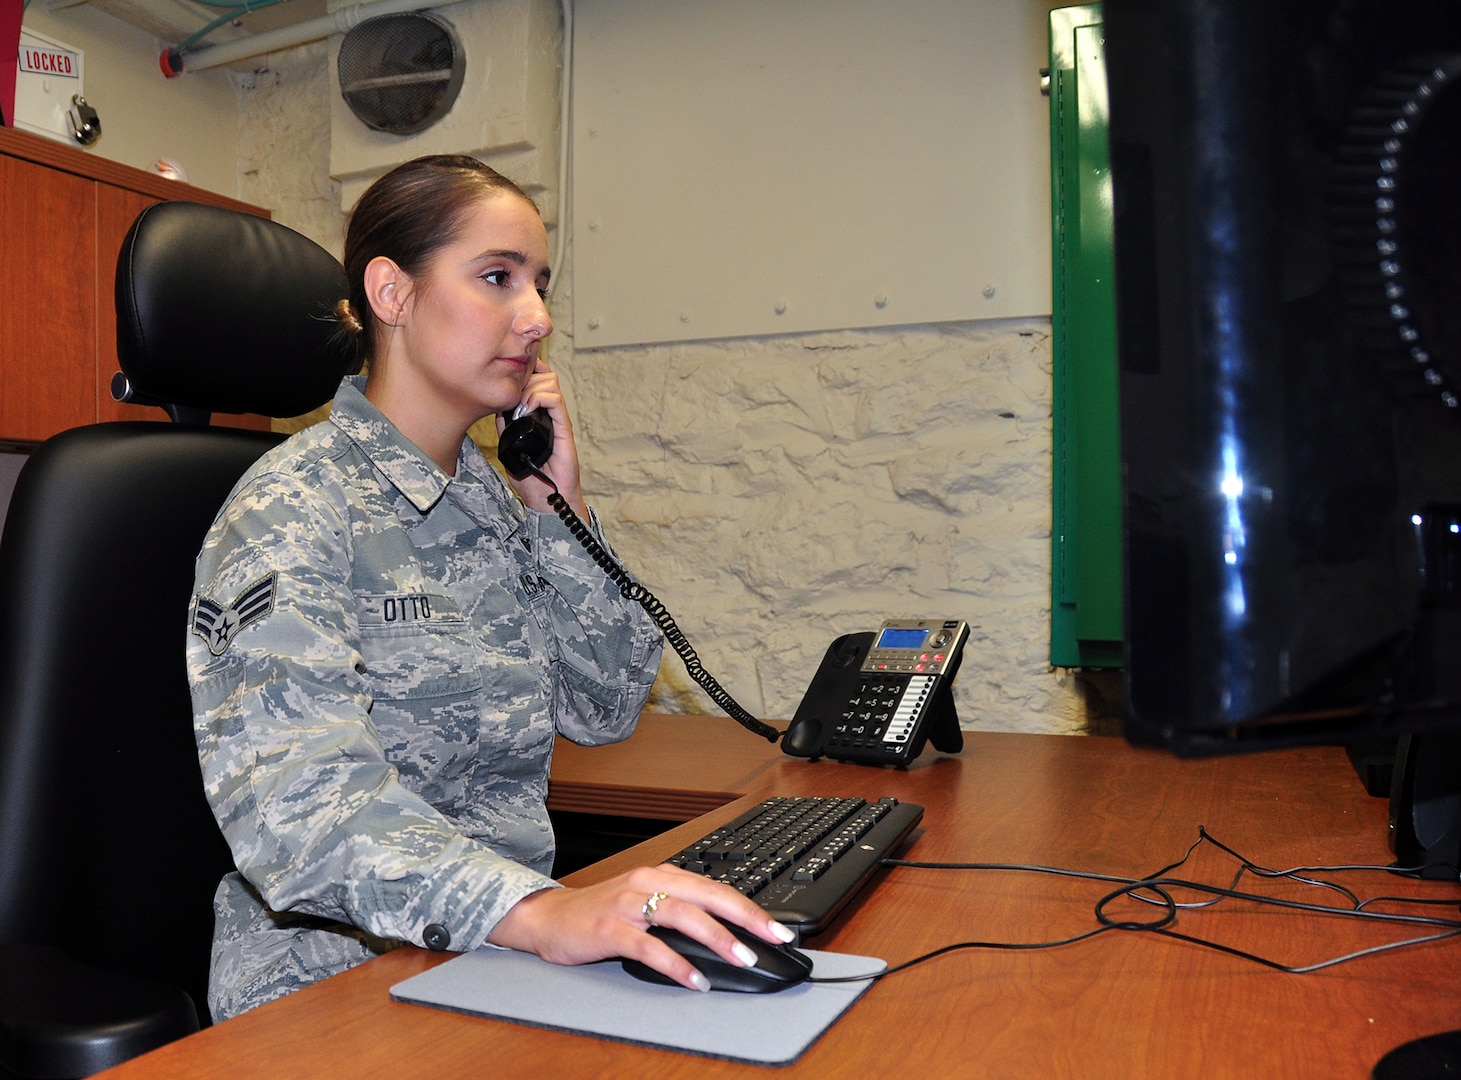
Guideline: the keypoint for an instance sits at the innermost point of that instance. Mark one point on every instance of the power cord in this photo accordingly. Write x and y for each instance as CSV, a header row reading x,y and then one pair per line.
x,y
1158,889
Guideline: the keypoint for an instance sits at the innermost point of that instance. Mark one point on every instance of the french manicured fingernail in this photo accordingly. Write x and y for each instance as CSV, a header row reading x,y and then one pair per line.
x,y
785,933
744,954
700,982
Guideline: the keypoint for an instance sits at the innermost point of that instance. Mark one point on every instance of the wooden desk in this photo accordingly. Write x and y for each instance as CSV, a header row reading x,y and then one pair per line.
x,y
675,768
1120,1005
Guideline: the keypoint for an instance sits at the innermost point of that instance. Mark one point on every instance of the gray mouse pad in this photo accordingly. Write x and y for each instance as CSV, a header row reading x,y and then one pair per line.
x,y
604,1001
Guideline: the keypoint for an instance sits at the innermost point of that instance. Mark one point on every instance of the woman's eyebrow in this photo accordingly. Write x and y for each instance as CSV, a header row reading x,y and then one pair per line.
x,y
504,253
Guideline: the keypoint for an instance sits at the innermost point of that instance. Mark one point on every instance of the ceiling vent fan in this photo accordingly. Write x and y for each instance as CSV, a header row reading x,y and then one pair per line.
x,y
401,73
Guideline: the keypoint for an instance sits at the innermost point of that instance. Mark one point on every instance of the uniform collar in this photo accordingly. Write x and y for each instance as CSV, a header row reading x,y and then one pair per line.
x,y
412,471
402,462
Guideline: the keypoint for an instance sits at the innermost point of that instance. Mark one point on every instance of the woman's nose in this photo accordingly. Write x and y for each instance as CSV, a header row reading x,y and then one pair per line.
x,y
533,320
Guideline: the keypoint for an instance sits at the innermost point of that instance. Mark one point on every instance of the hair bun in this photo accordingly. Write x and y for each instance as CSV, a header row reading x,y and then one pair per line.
x,y
346,316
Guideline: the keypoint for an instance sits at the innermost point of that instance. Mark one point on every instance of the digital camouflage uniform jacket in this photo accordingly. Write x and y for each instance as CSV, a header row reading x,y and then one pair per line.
x,y
380,657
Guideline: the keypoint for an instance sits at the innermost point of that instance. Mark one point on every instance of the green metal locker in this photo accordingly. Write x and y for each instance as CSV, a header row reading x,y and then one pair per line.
x,y
1086,571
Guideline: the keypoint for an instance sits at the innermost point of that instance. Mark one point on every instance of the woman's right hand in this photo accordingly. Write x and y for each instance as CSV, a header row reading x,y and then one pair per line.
x,y
607,920
543,392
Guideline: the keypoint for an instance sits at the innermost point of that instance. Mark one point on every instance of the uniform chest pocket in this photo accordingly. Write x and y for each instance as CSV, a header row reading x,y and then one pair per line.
x,y
422,671
417,646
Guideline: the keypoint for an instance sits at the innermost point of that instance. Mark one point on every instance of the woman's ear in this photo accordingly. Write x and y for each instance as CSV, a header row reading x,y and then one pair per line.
x,y
386,286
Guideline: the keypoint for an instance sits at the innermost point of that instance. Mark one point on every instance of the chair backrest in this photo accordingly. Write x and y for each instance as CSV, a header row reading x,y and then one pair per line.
x,y
107,846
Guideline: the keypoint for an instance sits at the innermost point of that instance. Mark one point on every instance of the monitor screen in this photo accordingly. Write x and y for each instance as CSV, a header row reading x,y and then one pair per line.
x,y
1288,277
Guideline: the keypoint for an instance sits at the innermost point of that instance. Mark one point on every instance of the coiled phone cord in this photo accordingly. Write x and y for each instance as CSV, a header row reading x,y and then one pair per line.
x,y
632,590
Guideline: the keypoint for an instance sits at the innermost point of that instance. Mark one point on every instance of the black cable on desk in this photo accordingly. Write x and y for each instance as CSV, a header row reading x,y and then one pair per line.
x,y
1157,889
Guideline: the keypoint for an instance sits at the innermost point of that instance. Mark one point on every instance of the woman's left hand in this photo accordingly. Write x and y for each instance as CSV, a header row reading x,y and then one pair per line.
x,y
543,392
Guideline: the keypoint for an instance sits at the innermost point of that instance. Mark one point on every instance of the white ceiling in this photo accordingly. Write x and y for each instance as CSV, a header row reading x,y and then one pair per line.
x,y
175,20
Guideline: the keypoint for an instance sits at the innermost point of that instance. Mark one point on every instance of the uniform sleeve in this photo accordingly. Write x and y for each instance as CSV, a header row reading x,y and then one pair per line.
x,y
316,817
606,649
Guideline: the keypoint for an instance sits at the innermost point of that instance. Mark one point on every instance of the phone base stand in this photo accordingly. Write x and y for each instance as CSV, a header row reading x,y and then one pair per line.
x,y
944,730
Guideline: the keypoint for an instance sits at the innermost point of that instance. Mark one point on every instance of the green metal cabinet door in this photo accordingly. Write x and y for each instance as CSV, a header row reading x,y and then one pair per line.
x,y
1086,573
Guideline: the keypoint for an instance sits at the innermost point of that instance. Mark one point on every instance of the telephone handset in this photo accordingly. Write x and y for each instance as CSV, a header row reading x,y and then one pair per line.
x,y
526,443
878,697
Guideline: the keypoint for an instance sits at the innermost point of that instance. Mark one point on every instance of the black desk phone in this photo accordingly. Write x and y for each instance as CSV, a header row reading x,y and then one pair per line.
x,y
877,698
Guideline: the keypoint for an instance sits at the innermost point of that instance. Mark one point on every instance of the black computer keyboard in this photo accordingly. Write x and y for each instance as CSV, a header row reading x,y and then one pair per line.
x,y
803,859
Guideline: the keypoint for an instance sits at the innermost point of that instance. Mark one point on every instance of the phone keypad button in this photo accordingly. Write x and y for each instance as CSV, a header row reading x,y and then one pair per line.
x,y
910,708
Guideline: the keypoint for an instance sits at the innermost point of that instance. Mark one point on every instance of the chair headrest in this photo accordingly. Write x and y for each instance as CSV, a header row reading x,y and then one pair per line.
x,y
222,311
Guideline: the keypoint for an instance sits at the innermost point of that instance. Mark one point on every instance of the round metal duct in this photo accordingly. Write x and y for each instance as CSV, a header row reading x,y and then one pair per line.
x,y
401,73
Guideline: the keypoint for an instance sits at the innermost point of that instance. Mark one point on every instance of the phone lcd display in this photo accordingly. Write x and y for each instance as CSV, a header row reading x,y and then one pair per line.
x,y
901,639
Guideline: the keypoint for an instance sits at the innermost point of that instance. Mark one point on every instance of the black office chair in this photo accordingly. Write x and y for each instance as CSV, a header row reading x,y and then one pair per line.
x,y
109,855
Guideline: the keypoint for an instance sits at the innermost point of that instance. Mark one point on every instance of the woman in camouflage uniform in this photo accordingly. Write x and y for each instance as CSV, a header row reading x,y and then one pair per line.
x,y
386,638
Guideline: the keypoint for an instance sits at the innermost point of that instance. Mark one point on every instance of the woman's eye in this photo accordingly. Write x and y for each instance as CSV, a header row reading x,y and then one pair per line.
x,y
496,277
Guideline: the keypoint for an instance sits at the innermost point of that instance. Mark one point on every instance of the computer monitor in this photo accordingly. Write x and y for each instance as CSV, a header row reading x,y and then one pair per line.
x,y
1287,202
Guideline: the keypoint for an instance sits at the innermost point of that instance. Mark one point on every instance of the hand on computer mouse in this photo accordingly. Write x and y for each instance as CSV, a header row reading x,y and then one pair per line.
x,y
770,968
608,919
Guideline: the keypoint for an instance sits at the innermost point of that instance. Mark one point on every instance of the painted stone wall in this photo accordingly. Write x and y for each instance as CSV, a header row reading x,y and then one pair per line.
x,y
284,140
777,492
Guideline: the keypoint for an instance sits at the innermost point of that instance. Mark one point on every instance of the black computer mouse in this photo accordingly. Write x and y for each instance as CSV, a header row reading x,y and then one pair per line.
x,y
777,967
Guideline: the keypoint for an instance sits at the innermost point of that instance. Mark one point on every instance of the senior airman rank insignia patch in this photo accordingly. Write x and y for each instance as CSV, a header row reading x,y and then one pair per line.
x,y
217,625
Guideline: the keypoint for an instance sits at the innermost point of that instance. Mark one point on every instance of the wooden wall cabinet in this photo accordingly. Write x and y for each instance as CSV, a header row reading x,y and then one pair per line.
x,y
65,213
